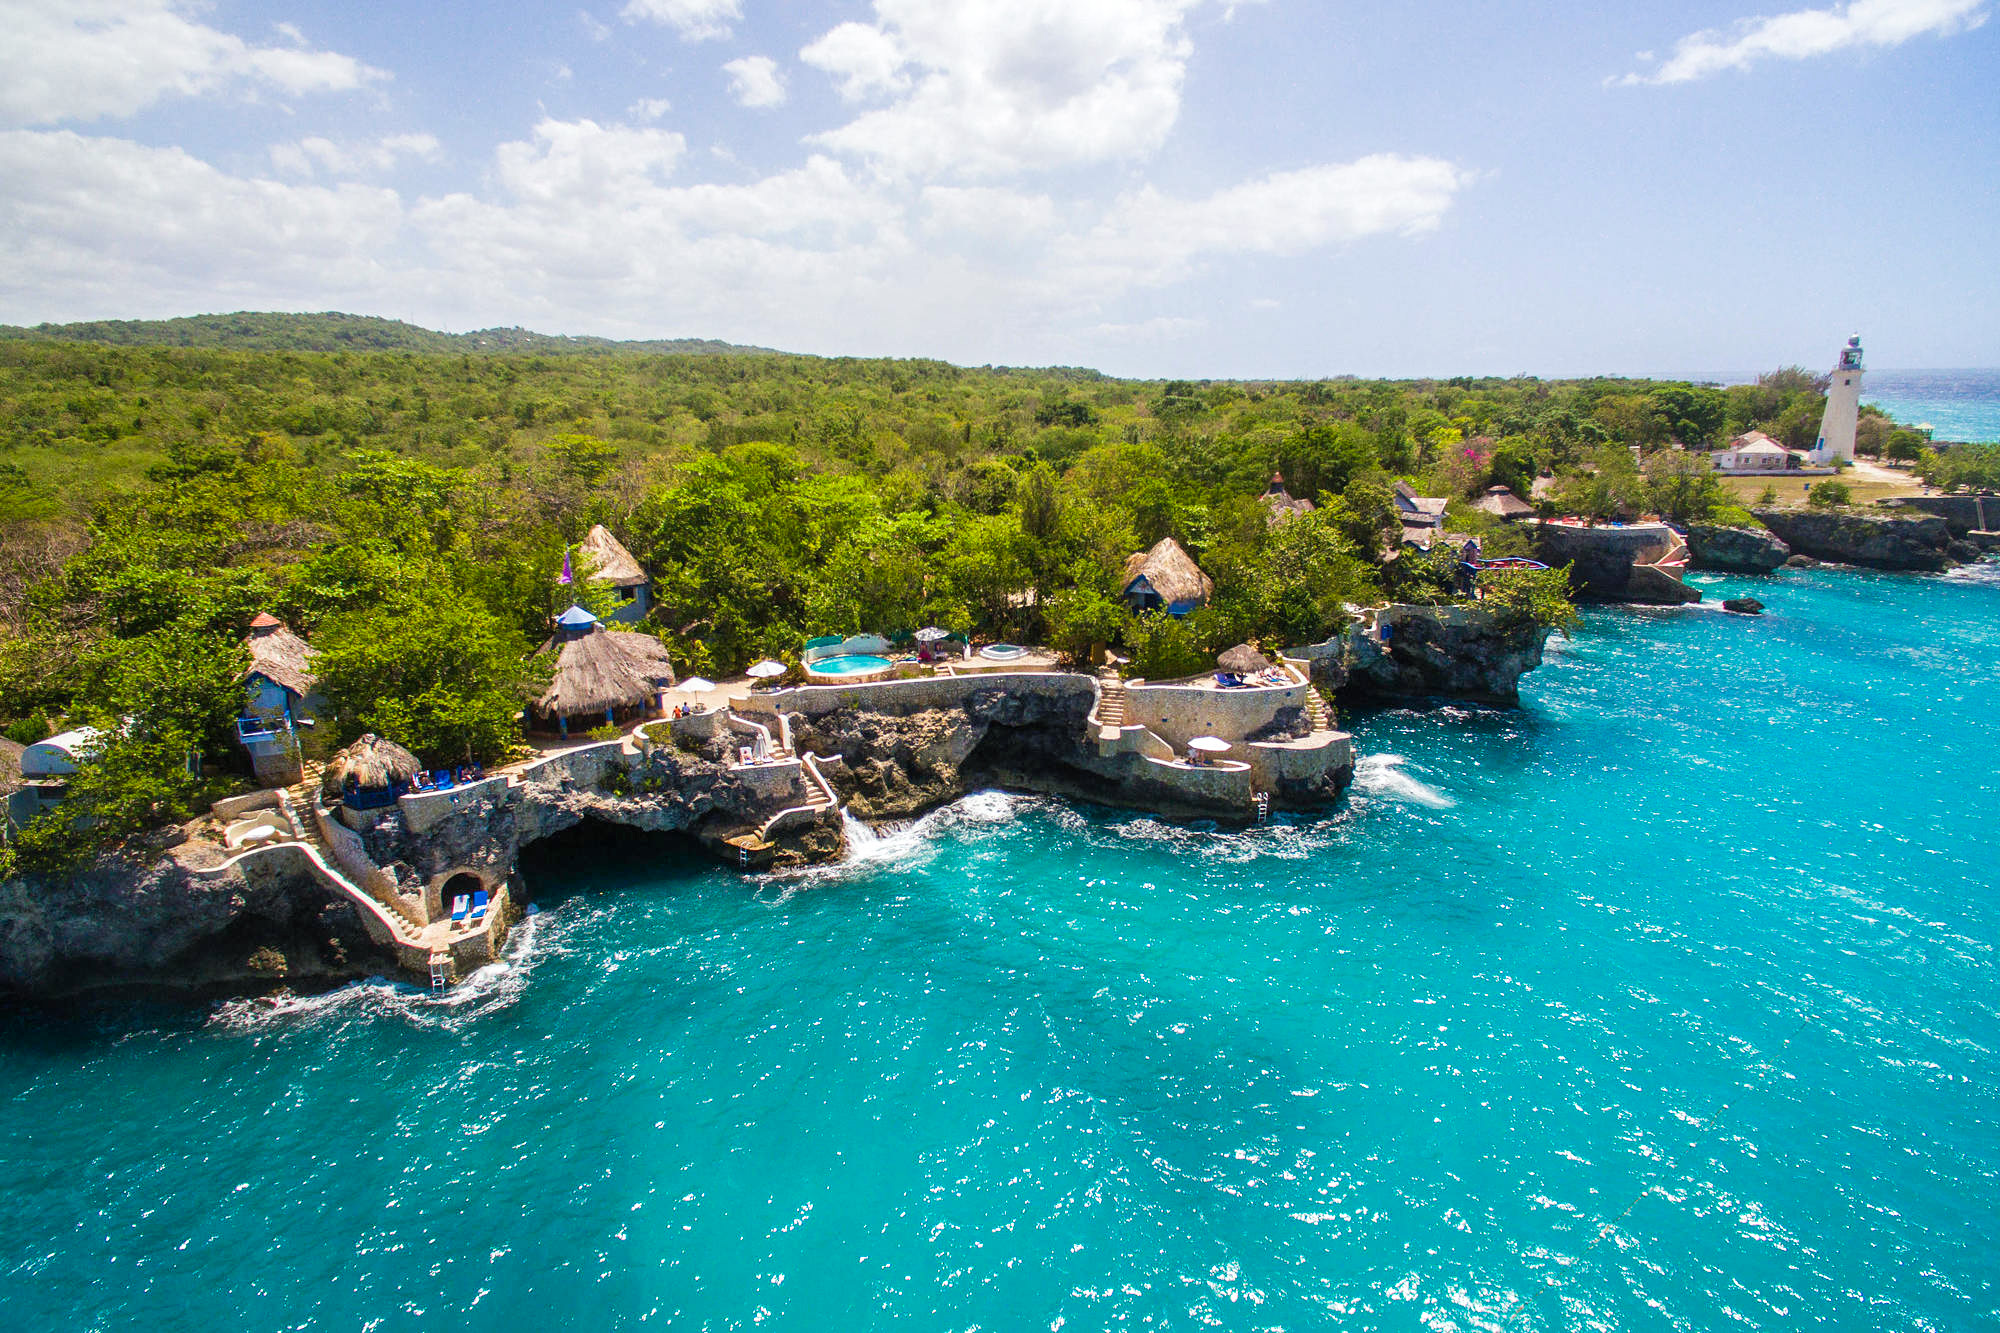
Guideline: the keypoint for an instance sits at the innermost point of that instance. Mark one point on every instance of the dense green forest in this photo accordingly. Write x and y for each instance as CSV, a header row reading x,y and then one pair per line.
x,y
407,510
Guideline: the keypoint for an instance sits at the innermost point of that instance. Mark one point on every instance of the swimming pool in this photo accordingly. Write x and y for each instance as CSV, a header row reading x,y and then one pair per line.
x,y
1002,652
854,664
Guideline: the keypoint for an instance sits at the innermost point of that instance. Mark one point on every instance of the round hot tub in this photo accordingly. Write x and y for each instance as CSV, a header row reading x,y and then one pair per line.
x,y
1003,652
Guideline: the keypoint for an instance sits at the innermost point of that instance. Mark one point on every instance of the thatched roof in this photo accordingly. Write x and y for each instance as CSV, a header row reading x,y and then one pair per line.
x,y
609,561
374,764
10,765
605,668
1171,571
1278,502
280,656
1243,660
1503,503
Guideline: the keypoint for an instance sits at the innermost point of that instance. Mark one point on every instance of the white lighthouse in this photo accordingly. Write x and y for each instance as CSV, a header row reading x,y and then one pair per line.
x,y
1843,407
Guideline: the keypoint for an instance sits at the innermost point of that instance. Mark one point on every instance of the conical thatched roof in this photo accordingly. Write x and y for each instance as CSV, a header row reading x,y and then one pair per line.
x,y
280,656
1171,571
1503,503
1243,660
374,763
610,562
605,668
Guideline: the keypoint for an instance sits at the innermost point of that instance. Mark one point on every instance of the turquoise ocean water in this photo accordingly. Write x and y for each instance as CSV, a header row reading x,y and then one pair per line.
x,y
1956,404
1665,1002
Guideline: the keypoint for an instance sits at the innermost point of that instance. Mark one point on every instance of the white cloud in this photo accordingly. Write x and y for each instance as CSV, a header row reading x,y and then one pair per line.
x,y
1148,238
109,224
865,59
593,28
755,81
573,162
1805,33
986,216
695,20
649,108
1161,328
315,155
997,87
89,59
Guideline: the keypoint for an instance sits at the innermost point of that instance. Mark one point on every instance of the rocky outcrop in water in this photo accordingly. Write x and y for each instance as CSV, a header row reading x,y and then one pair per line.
x,y
149,916
896,763
1462,652
1863,539
1616,564
1735,550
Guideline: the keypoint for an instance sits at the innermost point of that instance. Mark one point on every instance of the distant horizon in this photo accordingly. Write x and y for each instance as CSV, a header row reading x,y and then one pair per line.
x,y
1722,378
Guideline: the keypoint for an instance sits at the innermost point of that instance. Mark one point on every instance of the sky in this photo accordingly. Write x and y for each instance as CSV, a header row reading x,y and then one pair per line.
x,y
1155,188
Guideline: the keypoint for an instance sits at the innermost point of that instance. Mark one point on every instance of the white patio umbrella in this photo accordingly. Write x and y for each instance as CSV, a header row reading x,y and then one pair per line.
x,y
1209,744
697,685
766,669
932,634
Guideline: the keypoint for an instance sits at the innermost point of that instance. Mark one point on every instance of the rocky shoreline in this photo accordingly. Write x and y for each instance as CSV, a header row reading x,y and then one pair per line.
x,y
187,915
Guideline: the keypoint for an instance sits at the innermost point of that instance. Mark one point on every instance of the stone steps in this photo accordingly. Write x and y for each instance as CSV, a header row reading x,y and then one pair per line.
x,y
1316,711
1110,701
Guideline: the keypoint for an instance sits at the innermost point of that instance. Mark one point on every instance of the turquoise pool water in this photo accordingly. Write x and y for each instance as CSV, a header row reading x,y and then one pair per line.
x,y
1666,1002
854,664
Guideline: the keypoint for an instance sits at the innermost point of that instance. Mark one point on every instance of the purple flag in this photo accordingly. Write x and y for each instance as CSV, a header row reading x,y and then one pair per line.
x,y
566,578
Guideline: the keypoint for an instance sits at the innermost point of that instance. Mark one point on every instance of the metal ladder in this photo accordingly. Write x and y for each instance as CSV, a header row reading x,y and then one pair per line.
x,y
1263,802
440,973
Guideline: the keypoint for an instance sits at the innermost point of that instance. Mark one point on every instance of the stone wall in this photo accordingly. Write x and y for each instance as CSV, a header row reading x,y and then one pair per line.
x,y
1178,713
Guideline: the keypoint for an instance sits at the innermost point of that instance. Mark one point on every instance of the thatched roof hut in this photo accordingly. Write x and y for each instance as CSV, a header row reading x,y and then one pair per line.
x,y
1243,660
280,656
1168,577
601,672
1502,503
1279,504
610,562
373,763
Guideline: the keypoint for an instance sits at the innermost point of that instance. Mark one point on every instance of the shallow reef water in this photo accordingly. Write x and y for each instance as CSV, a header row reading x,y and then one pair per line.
x,y
1665,1001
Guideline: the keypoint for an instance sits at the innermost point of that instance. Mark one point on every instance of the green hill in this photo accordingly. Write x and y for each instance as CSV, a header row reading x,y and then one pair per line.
x,y
335,332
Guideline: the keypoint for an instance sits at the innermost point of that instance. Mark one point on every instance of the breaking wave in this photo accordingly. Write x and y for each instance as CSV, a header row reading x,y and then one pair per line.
x,y
1383,775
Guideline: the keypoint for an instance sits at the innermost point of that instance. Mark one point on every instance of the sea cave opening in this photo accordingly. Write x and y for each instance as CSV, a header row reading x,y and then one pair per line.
x,y
596,856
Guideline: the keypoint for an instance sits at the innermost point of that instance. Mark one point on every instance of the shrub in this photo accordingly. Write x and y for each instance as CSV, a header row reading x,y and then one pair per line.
x,y
1829,494
28,730
610,731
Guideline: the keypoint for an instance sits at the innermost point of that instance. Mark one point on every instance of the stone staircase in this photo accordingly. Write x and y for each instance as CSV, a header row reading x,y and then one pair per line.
x,y
302,794
1316,711
1110,700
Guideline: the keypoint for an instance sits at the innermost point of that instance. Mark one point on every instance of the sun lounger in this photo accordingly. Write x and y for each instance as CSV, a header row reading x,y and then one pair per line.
x,y
461,907
443,779
478,907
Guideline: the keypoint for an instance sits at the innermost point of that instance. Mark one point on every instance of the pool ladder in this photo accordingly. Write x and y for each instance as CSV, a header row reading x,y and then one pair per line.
x,y
1263,803
440,973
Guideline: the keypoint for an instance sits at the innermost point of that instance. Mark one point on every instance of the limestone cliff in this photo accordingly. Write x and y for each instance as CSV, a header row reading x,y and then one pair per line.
x,y
1735,550
897,763
1465,652
1616,563
1863,539
150,915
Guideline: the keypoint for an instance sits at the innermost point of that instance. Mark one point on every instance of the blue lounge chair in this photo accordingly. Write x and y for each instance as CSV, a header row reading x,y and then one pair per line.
x,y
1227,680
461,907
478,907
443,779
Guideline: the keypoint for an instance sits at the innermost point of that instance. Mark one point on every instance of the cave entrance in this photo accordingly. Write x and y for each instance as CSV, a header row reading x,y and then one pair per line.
x,y
596,856
462,885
